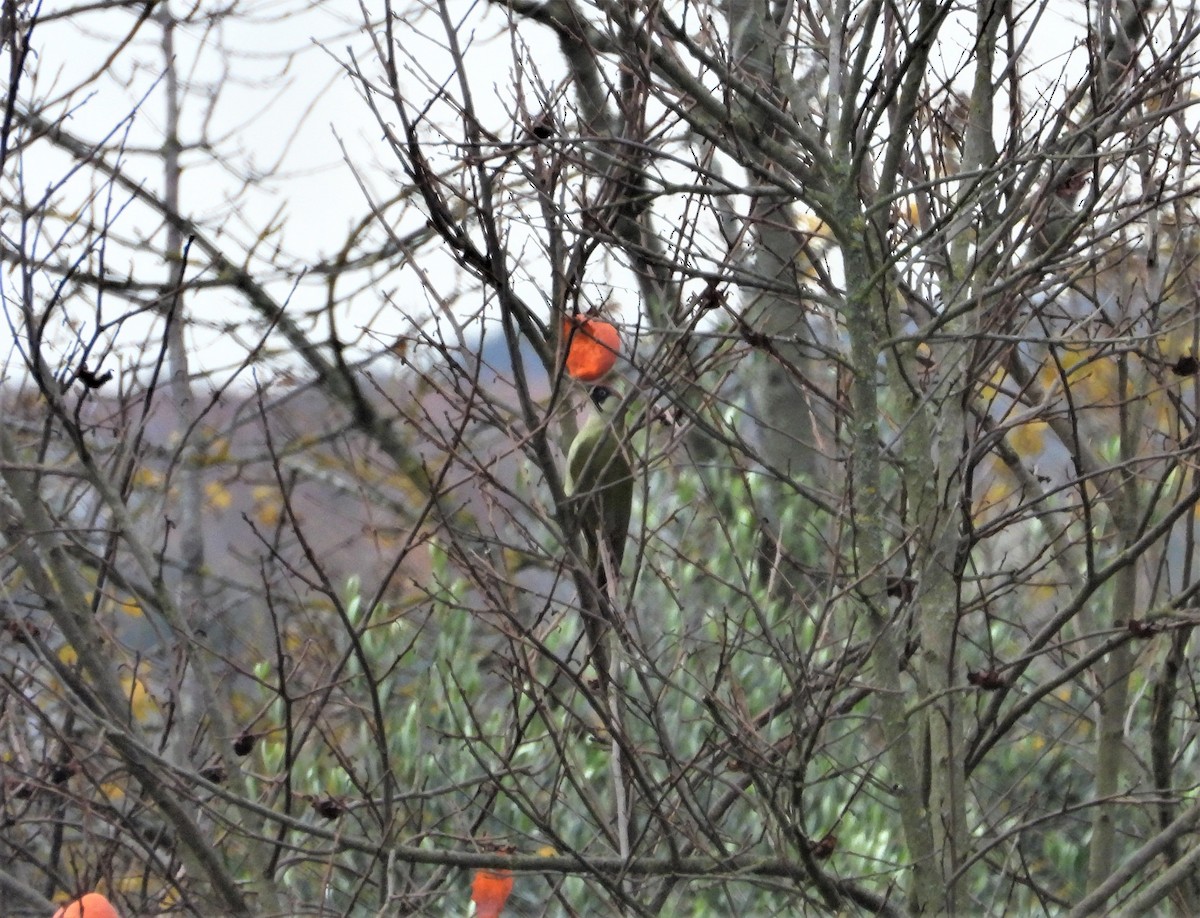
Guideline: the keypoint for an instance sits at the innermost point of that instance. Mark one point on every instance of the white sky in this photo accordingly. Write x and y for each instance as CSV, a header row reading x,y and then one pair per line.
x,y
285,106
284,103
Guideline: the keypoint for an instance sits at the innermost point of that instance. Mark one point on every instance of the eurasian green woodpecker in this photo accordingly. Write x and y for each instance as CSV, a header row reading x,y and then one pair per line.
x,y
600,479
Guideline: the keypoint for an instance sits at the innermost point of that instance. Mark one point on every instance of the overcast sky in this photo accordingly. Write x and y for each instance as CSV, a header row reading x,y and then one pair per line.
x,y
287,108
268,88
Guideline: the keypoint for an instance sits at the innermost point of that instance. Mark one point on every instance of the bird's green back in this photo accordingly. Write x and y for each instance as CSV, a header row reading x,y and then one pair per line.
x,y
600,478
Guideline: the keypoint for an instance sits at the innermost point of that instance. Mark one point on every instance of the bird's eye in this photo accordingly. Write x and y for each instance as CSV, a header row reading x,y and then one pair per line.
x,y
601,394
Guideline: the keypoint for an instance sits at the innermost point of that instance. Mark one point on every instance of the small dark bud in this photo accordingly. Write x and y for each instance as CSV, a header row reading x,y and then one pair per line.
x,y
711,298
214,773
755,339
823,848
1143,629
22,632
328,808
92,380
1187,365
901,588
244,744
1071,184
987,679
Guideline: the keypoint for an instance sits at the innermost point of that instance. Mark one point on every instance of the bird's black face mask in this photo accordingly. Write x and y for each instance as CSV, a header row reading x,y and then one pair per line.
x,y
600,395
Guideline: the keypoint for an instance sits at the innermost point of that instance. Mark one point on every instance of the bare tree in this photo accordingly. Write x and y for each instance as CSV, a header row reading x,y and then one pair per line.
x,y
906,301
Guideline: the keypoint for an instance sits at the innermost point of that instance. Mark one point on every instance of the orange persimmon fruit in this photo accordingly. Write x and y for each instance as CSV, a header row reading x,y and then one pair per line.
x,y
89,905
489,892
592,347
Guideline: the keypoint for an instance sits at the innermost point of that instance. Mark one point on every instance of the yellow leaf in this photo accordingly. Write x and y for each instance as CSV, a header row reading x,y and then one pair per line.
x,y
993,498
217,452
1072,357
1048,375
218,495
1028,439
1044,592
1092,379
990,389
266,505
141,703
147,478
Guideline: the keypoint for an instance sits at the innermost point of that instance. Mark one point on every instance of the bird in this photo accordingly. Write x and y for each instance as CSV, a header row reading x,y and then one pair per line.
x,y
600,479
599,482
